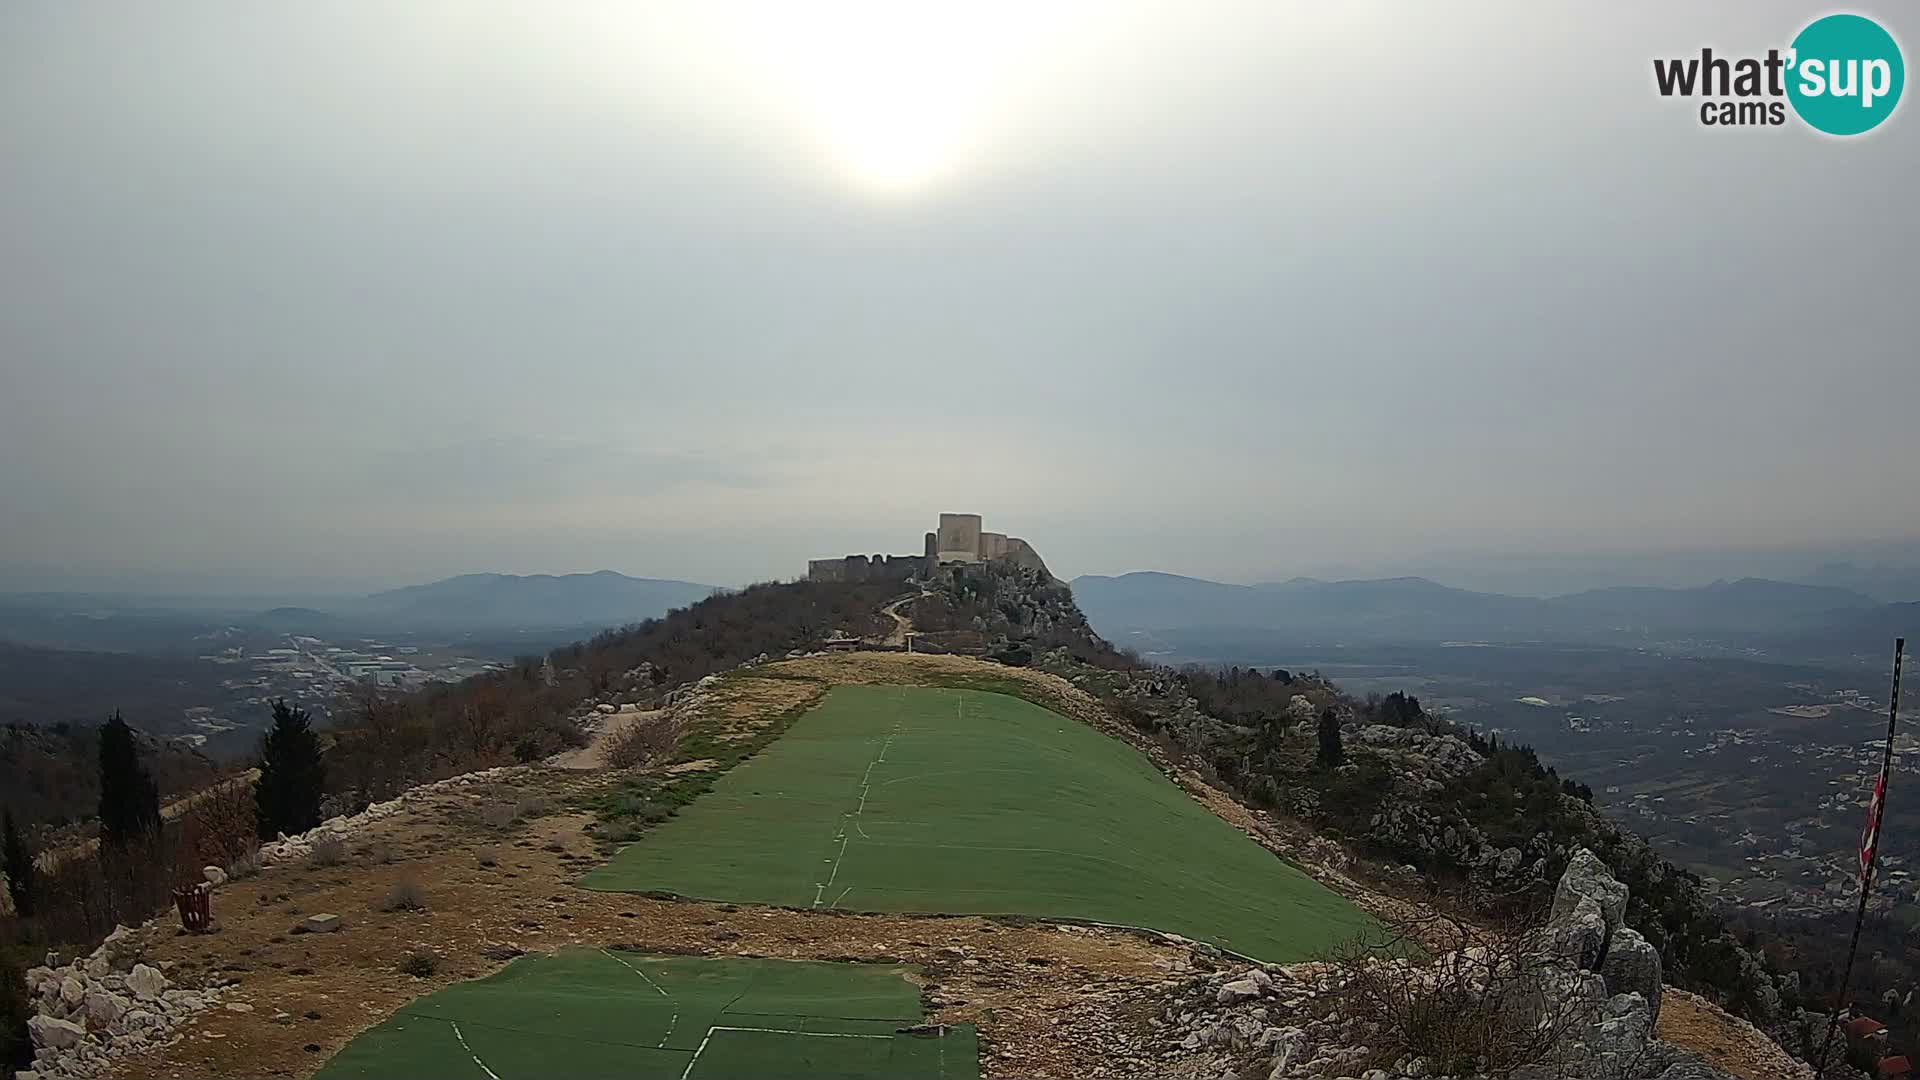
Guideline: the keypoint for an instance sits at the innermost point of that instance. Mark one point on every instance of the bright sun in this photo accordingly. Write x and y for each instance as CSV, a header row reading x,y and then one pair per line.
x,y
899,93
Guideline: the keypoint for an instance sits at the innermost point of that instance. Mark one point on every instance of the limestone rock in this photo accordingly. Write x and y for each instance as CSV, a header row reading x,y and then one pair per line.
x,y
146,982
1632,966
215,876
322,923
121,950
1579,936
55,1034
1587,877
73,991
104,1008
1237,991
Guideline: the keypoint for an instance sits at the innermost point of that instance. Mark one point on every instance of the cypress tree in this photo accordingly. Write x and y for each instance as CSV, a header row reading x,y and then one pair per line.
x,y
292,775
129,799
1331,752
19,866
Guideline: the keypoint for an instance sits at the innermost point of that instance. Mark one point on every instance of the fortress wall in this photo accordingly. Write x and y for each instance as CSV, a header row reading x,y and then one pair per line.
x,y
1021,553
861,568
959,537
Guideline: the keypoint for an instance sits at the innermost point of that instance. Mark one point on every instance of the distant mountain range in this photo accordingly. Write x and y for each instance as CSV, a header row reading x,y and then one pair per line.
x,y
1415,609
604,598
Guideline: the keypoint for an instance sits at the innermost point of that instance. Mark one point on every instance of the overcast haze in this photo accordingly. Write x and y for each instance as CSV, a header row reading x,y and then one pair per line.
x,y
382,292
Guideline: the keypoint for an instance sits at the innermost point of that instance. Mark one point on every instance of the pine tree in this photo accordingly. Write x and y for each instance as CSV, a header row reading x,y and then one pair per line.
x,y
19,866
1331,752
292,775
129,799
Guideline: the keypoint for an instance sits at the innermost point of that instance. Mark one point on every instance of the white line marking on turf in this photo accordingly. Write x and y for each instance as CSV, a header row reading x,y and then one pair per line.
x,y
866,782
471,1054
688,1071
673,1021
836,866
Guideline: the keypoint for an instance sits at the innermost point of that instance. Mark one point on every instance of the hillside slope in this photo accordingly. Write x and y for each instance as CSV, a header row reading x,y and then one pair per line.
x,y
490,857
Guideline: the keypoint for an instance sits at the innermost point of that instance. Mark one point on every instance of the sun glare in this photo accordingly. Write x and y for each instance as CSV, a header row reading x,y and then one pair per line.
x,y
899,94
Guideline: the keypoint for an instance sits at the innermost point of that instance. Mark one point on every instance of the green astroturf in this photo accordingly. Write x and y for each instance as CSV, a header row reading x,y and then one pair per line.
x,y
937,800
637,1016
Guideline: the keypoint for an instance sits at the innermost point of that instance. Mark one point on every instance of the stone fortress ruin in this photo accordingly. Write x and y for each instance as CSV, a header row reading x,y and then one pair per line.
x,y
959,539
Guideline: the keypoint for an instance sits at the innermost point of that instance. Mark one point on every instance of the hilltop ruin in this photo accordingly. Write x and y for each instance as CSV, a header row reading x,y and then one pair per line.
x,y
959,539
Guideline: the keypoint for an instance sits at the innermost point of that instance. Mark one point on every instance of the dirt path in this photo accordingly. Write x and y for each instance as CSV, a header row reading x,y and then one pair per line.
x,y
1727,1043
594,754
902,626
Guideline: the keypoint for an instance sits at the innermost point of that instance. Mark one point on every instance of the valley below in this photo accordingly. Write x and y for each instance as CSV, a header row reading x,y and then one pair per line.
x,y
1754,775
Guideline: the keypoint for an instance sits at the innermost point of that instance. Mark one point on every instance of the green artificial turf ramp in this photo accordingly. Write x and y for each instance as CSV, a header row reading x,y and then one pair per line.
x,y
888,798
637,1016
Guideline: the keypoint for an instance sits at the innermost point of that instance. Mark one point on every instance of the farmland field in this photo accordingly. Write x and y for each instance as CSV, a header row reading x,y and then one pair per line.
x,y
636,1016
889,798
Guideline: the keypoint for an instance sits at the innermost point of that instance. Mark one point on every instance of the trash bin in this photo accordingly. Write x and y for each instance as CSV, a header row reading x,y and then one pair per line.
x,y
196,906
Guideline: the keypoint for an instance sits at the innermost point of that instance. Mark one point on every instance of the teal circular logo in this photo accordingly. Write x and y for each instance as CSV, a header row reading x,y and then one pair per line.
x,y
1845,74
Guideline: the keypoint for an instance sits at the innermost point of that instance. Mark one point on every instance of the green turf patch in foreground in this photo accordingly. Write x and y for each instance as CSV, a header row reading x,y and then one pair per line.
x,y
637,1016
889,798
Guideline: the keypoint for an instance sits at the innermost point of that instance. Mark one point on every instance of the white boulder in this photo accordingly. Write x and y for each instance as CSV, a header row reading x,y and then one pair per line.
x,y
146,982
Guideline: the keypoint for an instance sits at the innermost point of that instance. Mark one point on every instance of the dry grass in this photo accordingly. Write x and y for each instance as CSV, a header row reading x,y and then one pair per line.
x,y
327,851
407,894
419,963
245,865
643,742
481,919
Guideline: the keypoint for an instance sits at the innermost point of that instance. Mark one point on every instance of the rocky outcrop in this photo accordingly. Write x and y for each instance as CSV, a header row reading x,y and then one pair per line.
x,y
109,1004
1589,981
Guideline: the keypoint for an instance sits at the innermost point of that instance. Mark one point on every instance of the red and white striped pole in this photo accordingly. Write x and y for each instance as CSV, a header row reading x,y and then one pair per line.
x,y
1869,852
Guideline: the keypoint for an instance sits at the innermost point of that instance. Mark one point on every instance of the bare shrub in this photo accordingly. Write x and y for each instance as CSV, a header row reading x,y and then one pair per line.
x,y
419,963
643,742
1467,999
244,865
82,896
532,807
380,852
406,895
218,825
327,851
497,815
488,857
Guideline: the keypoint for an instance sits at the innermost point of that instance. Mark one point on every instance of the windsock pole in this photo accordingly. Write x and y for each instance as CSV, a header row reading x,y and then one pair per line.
x,y
1869,853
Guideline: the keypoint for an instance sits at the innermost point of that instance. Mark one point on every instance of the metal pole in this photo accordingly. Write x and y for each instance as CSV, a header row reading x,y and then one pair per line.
x,y
1872,854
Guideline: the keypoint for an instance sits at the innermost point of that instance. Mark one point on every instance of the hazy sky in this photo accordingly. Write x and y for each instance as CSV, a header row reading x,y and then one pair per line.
x,y
380,292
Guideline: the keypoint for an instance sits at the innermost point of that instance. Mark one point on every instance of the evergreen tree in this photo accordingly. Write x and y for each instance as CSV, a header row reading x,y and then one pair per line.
x,y
292,775
129,799
1331,752
19,867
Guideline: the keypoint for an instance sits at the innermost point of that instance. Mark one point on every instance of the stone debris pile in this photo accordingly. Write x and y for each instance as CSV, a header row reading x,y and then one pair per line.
x,y
92,1011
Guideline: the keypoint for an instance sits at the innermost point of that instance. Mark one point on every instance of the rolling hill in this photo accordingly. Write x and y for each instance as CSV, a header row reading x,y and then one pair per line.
x,y
1416,609
604,598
